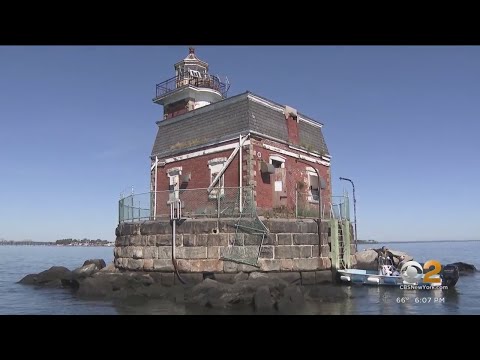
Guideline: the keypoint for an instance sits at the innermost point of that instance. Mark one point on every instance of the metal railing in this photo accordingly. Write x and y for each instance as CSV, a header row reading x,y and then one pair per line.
x,y
333,207
228,202
195,203
209,81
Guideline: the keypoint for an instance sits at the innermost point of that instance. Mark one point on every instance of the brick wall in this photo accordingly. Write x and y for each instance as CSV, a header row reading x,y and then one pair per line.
x,y
177,108
200,171
295,172
253,155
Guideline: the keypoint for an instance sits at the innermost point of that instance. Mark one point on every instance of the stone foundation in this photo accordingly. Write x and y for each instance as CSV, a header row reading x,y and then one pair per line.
x,y
290,246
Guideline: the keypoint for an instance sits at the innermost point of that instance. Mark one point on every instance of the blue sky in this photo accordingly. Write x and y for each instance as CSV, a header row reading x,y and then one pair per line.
x,y
78,124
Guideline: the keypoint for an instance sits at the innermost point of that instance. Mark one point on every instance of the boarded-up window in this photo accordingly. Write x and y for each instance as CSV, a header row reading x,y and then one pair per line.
x,y
219,187
278,185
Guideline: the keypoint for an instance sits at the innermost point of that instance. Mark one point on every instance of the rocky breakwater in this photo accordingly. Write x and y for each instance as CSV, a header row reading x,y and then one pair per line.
x,y
261,292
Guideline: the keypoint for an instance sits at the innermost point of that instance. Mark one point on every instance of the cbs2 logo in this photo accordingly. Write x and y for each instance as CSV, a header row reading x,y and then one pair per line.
x,y
427,277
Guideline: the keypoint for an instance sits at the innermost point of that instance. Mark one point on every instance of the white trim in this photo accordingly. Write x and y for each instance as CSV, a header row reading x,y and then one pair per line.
x,y
173,179
281,109
311,170
183,92
264,103
217,161
277,158
307,152
174,169
229,160
313,123
297,156
203,152
312,173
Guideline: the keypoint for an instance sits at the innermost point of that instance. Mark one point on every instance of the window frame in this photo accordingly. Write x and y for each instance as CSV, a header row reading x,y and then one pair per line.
x,y
174,180
215,165
312,173
278,158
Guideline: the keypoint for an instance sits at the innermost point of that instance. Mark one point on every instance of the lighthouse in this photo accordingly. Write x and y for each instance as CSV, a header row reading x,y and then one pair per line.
x,y
191,88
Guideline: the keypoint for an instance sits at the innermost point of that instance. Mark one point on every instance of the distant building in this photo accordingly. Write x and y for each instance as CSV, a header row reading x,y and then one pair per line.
x,y
199,139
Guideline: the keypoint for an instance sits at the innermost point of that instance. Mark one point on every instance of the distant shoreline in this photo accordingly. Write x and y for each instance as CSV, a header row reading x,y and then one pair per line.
x,y
416,241
54,245
50,243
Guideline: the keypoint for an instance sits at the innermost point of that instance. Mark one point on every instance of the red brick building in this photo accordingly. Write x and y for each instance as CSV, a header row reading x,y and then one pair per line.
x,y
220,144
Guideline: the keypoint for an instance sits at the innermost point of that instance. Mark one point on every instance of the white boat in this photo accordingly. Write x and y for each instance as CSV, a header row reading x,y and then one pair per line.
x,y
387,275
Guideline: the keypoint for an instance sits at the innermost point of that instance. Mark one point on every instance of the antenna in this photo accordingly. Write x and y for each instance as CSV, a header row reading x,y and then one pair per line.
x,y
227,83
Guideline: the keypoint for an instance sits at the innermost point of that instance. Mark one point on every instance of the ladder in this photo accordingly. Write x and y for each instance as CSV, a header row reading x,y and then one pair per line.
x,y
341,247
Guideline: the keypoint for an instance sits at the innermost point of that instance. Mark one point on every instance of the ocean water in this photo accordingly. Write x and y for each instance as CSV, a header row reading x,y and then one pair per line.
x,y
18,261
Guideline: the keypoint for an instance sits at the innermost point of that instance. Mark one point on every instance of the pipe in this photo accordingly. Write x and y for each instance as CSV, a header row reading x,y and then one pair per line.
x,y
354,209
241,176
174,260
155,188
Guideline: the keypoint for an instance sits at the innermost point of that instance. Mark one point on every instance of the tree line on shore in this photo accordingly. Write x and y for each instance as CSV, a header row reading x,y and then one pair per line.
x,y
81,242
61,242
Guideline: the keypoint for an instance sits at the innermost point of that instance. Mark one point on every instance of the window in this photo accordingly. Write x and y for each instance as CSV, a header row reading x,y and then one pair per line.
x,y
194,73
174,183
215,166
313,187
278,162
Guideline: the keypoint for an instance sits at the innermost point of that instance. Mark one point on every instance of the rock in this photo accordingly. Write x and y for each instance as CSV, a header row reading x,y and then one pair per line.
x,y
368,259
326,293
396,261
84,271
110,268
155,291
292,277
119,285
208,293
216,294
30,279
263,300
225,278
205,286
177,294
256,275
95,287
292,301
294,294
464,267
240,277
51,277
100,263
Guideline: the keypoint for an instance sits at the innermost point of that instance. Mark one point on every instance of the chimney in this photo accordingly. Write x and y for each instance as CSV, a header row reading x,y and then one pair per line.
x,y
291,117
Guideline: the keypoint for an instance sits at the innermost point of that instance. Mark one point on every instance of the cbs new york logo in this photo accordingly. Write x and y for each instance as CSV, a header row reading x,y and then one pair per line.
x,y
413,273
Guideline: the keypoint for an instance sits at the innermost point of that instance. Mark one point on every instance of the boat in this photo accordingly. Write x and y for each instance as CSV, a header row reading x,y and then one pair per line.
x,y
388,275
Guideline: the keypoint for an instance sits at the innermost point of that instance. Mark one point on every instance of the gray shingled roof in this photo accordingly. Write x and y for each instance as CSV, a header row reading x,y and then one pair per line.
x,y
226,119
